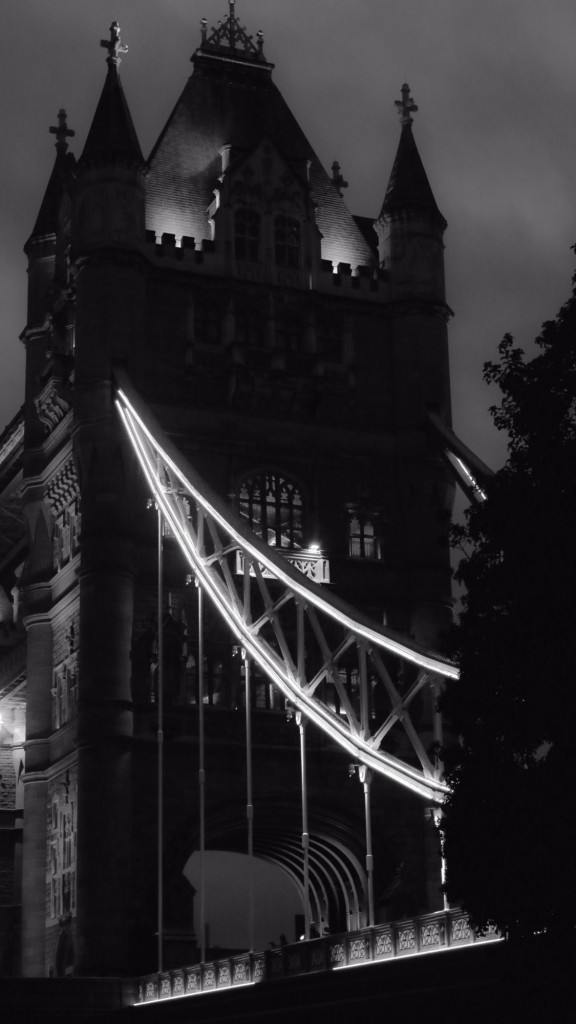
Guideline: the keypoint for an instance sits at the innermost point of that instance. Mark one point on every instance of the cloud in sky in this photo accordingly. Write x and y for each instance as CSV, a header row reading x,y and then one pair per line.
x,y
496,86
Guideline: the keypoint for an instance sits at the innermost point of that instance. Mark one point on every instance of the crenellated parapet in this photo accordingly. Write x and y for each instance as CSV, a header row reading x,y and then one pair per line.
x,y
209,258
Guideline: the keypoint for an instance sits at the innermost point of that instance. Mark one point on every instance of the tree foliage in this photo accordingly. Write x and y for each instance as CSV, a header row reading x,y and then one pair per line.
x,y
509,824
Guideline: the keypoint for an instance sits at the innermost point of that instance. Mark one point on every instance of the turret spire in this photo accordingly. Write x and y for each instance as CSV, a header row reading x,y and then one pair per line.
x,y
114,45
48,214
112,136
408,187
62,132
410,227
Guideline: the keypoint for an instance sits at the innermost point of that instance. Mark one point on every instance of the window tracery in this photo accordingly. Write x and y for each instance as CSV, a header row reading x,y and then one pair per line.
x,y
287,242
67,529
247,229
62,847
65,692
363,538
273,506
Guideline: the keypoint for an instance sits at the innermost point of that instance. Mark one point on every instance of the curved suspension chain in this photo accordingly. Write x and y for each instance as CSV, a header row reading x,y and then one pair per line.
x,y
353,679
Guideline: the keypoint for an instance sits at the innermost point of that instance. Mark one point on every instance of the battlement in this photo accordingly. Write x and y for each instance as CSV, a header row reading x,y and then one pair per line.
x,y
207,257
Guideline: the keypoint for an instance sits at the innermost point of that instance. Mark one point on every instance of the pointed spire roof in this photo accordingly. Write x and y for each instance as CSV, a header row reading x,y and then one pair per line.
x,y
232,101
112,137
408,187
47,219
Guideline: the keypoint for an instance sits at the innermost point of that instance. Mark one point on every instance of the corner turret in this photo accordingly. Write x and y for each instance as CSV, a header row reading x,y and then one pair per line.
x,y
410,227
48,335
50,235
110,199
109,227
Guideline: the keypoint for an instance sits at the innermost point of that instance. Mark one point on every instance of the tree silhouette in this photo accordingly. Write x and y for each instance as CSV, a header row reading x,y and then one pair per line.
x,y
509,826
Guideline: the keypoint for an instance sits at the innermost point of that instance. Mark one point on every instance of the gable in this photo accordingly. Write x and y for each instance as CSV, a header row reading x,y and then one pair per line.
x,y
238,107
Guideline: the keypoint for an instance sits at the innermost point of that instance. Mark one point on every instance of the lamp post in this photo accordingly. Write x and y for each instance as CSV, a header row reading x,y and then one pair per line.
x,y
249,799
301,723
160,743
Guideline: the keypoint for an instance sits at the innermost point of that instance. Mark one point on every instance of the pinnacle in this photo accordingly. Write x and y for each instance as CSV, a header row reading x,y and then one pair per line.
x,y
112,137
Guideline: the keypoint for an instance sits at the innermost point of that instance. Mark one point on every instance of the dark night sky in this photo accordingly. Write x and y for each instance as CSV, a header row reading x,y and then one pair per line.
x,y
495,82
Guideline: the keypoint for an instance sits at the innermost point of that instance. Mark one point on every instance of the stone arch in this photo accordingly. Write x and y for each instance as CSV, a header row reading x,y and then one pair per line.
x,y
64,960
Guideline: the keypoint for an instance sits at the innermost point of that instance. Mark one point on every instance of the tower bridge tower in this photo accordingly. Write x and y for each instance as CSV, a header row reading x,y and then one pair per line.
x,y
291,351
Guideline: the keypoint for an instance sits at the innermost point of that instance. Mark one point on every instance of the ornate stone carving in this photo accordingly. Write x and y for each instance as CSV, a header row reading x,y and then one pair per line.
x,y
230,38
51,406
61,860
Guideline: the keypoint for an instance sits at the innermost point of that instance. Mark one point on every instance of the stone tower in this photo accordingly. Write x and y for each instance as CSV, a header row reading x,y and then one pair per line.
x,y
292,351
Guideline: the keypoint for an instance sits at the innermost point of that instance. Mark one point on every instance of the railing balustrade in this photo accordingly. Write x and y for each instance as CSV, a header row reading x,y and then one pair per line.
x,y
416,936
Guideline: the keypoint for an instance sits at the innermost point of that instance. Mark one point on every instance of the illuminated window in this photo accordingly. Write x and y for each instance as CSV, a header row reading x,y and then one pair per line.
x,y
287,242
247,235
363,541
273,507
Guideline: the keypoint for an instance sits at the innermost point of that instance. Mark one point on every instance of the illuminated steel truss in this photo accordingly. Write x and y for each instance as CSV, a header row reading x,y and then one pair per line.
x,y
365,686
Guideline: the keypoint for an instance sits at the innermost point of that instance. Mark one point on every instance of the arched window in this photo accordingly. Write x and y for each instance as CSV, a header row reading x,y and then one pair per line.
x,y
273,507
362,538
287,242
247,234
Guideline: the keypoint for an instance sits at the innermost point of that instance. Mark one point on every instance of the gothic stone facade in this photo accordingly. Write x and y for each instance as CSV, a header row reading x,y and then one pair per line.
x,y
292,351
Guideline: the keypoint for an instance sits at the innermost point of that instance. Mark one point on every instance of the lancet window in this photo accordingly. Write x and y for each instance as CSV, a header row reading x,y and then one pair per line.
x,y
65,692
67,534
330,340
272,504
363,539
62,830
249,325
247,230
287,242
289,334
207,328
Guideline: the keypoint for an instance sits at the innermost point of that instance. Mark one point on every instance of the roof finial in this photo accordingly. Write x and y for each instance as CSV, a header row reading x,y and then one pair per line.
x,y
114,45
230,38
337,178
406,106
62,132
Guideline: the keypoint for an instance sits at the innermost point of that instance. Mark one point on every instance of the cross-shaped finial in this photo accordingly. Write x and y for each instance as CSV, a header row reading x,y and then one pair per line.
x,y
406,106
337,178
61,131
114,45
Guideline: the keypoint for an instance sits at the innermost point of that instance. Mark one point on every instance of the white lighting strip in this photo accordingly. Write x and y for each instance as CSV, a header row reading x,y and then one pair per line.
x,y
469,477
277,567
149,453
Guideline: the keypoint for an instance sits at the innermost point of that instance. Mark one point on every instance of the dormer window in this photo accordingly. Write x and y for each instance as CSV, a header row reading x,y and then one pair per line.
x,y
287,242
273,507
247,235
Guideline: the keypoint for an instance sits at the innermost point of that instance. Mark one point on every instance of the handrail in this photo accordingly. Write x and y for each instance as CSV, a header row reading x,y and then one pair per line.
x,y
430,933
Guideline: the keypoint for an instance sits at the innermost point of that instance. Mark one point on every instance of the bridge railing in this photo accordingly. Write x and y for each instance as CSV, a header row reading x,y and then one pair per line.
x,y
429,933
